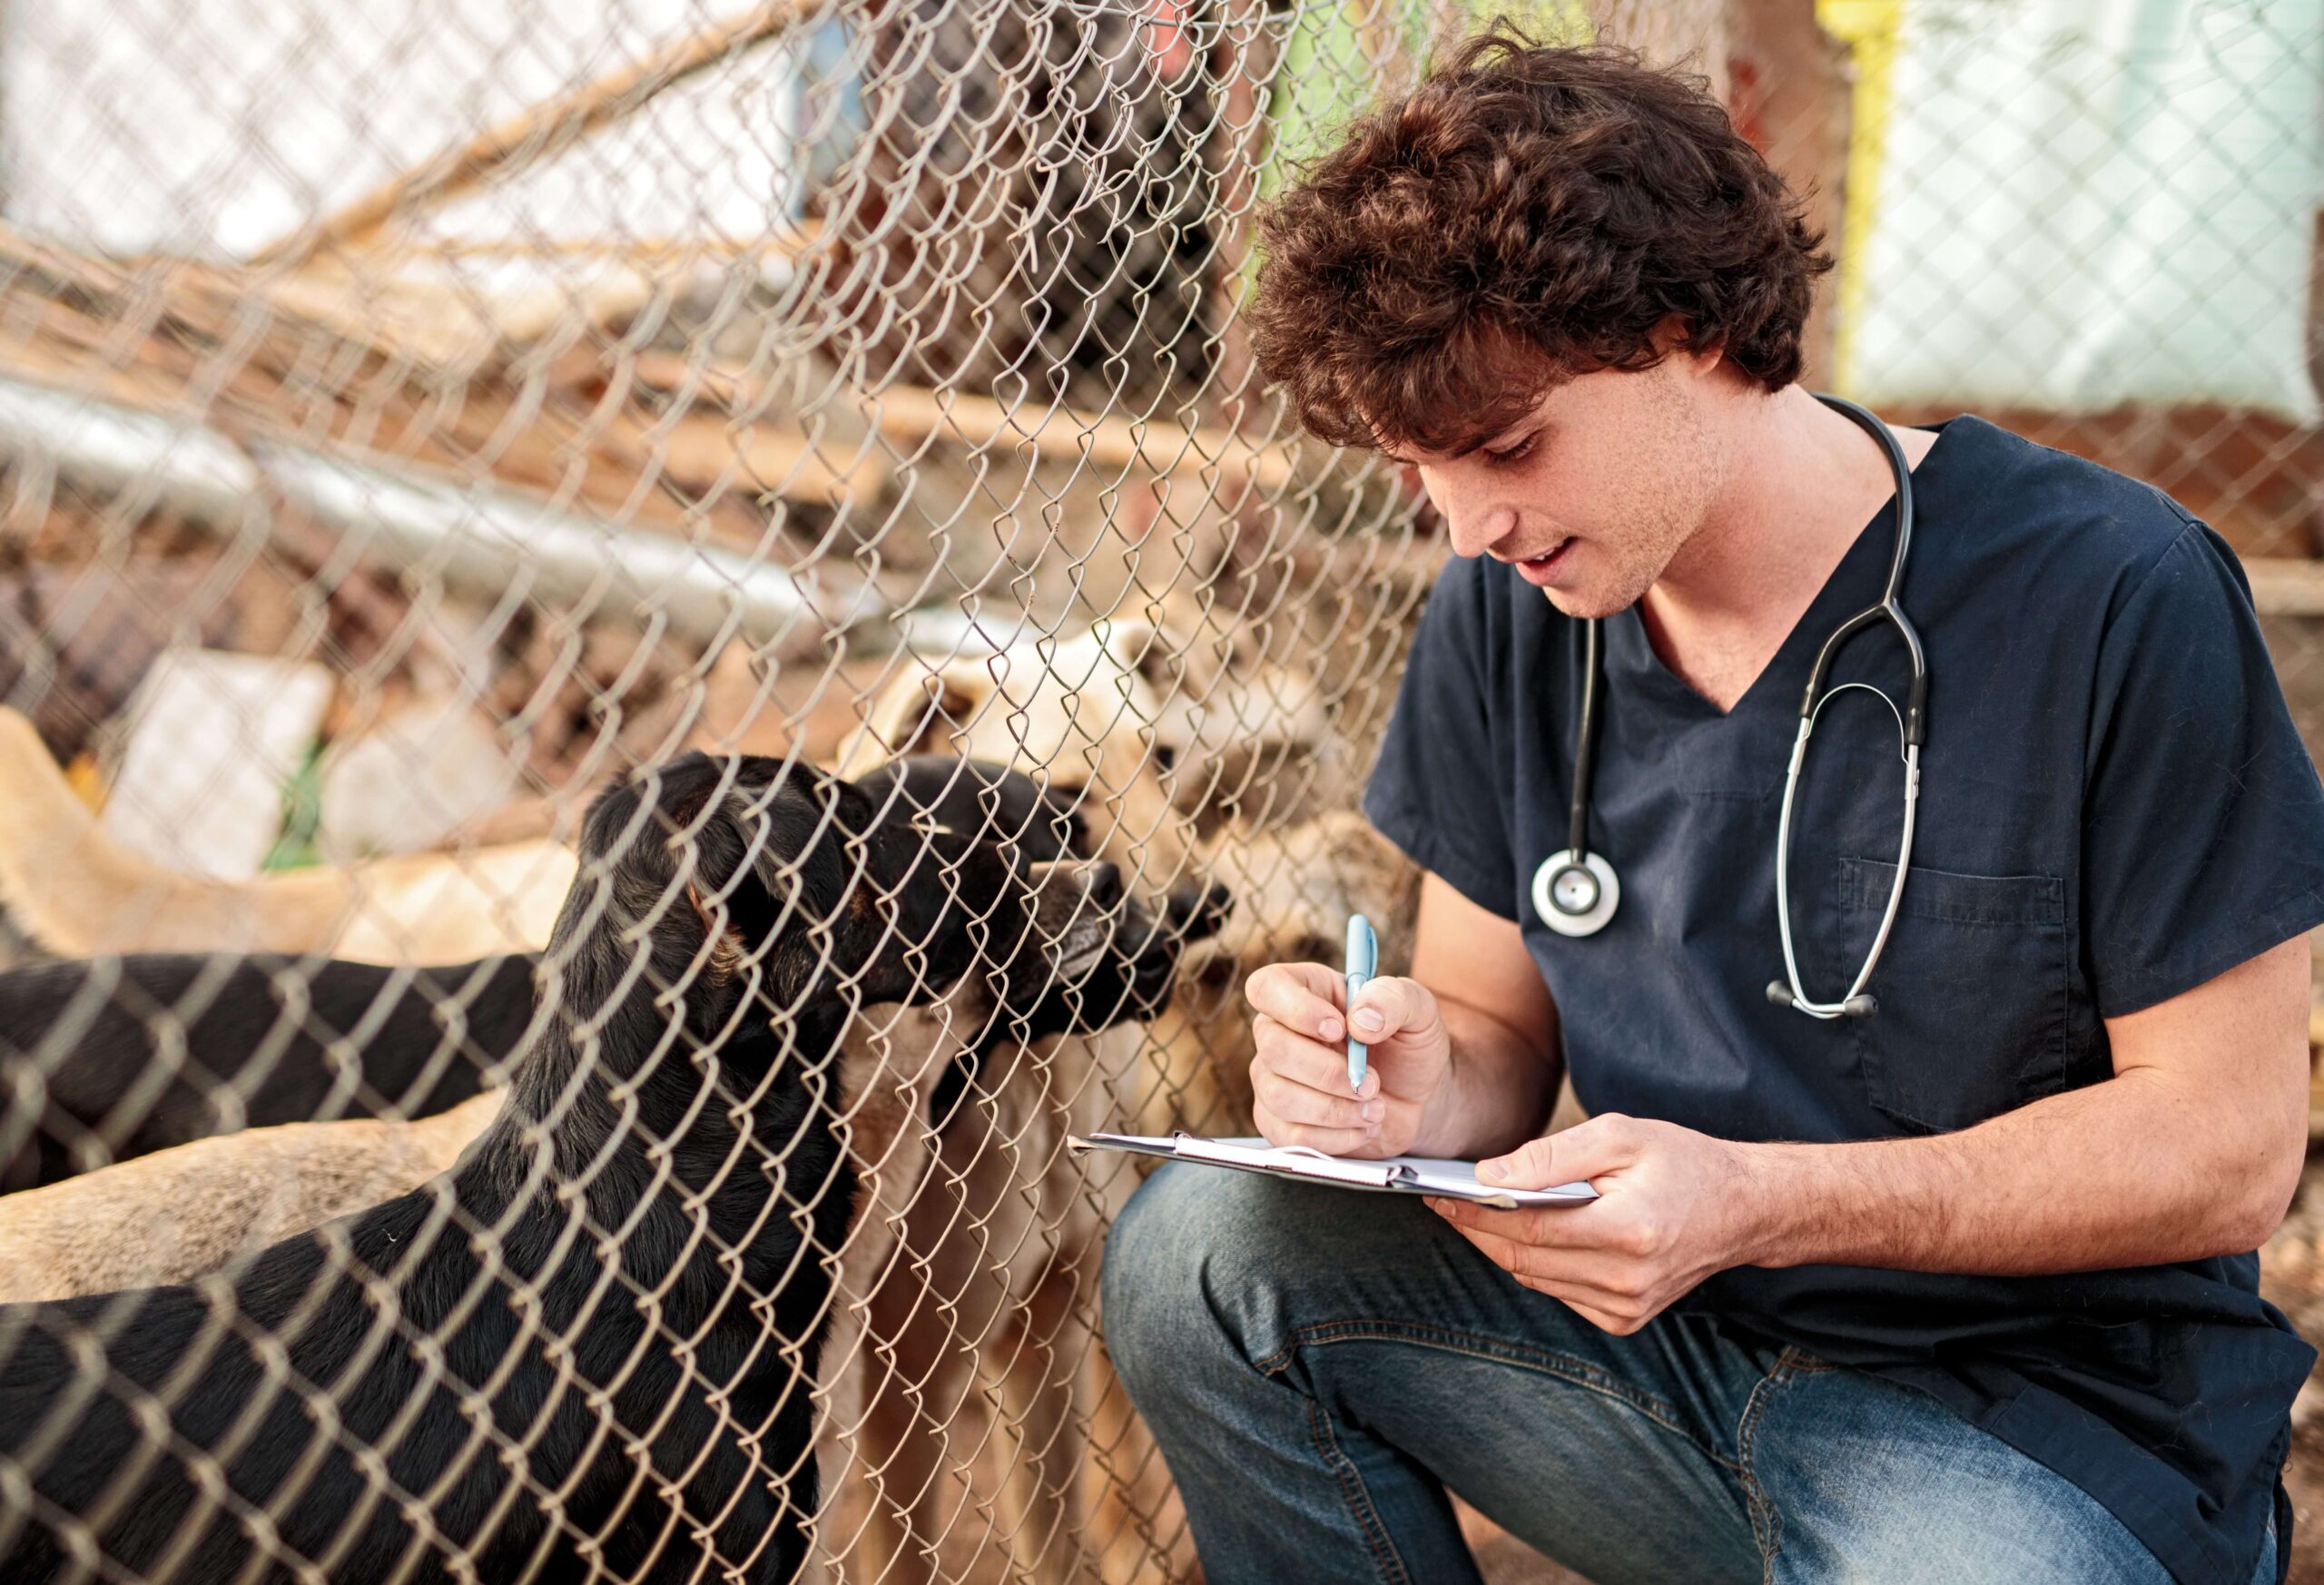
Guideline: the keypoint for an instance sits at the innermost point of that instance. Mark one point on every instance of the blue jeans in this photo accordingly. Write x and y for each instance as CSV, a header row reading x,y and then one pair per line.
x,y
1320,1367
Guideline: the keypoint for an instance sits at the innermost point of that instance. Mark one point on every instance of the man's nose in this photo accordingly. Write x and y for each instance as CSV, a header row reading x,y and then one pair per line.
x,y
1475,524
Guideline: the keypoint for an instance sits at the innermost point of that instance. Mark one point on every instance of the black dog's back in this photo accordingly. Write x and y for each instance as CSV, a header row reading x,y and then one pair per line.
x,y
287,1039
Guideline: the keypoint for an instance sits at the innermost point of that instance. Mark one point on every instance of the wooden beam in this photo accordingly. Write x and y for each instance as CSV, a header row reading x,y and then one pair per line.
x,y
908,415
541,128
2286,585
795,237
708,451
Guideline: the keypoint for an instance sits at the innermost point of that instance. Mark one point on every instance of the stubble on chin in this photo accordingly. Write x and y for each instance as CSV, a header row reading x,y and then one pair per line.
x,y
1598,603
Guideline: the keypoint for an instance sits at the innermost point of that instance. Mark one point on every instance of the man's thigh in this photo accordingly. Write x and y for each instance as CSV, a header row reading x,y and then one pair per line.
x,y
1857,1479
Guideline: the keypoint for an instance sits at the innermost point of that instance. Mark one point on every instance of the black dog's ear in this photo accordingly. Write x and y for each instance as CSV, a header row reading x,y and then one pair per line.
x,y
772,849
729,844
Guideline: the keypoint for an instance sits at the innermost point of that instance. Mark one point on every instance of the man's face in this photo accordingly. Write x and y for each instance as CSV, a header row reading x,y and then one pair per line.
x,y
1590,495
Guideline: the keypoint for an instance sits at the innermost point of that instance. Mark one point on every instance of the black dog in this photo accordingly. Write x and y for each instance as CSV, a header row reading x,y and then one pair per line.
x,y
591,1347
136,1054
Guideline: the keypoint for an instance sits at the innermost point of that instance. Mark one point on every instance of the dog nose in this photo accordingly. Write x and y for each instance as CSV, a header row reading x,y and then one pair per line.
x,y
1101,883
1198,909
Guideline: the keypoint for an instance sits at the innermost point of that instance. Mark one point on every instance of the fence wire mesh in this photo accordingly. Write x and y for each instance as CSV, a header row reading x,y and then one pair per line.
x,y
451,1127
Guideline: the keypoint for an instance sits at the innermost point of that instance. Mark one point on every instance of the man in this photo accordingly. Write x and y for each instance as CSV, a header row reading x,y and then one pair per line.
x,y
1960,1291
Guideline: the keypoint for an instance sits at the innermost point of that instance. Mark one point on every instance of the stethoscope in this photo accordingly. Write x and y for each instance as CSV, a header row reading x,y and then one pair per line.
x,y
1576,891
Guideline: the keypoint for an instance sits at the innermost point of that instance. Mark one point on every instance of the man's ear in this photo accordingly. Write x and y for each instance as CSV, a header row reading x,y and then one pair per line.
x,y
1670,335
925,714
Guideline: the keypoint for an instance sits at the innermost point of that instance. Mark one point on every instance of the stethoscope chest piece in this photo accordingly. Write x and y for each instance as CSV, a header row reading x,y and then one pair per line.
x,y
1575,896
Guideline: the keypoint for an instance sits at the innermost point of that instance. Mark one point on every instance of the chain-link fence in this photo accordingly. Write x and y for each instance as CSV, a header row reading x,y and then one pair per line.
x,y
425,425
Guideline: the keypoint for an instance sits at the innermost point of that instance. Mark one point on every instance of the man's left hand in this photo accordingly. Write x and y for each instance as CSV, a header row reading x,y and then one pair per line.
x,y
1674,1207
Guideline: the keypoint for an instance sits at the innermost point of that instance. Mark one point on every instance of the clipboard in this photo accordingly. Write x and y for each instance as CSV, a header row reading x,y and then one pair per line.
x,y
1407,1174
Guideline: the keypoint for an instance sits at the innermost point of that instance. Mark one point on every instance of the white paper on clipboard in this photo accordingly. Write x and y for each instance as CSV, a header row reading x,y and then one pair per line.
x,y
1410,1175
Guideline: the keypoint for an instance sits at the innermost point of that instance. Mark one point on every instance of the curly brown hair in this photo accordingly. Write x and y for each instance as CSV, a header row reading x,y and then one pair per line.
x,y
1526,214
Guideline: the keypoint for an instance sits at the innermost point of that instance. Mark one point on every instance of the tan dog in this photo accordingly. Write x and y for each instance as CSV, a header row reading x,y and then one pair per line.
x,y
990,1300
1000,1251
180,1213
79,893
1294,890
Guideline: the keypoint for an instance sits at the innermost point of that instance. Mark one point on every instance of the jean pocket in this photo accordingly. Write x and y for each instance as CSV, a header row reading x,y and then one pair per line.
x,y
1972,991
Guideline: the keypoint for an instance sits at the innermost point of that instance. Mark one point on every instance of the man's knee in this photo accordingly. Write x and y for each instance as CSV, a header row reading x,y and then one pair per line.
x,y
1834,1455
1205,1261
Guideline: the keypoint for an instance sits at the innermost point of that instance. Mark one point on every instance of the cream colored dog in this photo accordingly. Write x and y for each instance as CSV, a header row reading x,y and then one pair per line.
x,y
1130,718
79,893
180,1213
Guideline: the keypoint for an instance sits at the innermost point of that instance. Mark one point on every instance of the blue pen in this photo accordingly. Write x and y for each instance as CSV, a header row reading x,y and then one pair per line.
x,y
1362,958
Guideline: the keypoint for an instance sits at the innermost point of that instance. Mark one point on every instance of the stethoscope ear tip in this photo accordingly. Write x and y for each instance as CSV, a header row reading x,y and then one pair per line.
x,y
1858,1005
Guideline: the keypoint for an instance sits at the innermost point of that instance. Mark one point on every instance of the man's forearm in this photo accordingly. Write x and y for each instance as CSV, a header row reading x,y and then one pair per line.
x,y
2134,1171
1497,1093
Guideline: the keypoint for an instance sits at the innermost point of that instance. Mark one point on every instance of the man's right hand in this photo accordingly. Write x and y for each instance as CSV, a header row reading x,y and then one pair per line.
x,y
1299,1078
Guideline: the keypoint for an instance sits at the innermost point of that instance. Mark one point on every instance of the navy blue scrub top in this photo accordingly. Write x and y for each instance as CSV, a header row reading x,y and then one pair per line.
x,y
2115,808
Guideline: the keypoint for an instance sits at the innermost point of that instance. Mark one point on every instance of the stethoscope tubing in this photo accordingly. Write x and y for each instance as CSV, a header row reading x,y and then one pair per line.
x,y
1585,748
1847,1006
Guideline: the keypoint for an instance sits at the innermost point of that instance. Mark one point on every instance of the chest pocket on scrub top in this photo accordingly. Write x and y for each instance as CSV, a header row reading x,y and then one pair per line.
x,y
1972,990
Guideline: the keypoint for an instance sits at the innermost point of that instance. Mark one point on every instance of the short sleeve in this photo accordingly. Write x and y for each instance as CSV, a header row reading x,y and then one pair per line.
x,y
1434,792
2203,816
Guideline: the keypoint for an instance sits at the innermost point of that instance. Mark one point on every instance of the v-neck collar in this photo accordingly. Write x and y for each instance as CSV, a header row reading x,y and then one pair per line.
x,y
1632,662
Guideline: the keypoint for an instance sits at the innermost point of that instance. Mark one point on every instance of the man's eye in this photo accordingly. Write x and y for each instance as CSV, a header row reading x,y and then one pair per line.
x,y
1517,453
